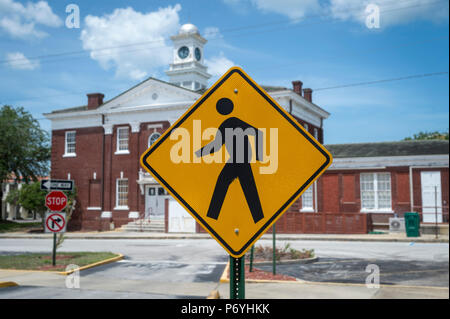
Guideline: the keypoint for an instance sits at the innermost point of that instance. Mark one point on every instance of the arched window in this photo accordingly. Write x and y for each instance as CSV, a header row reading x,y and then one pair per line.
x,y
152,138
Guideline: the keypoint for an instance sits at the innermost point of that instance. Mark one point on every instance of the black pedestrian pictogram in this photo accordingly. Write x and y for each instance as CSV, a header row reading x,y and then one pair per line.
x,y
234,133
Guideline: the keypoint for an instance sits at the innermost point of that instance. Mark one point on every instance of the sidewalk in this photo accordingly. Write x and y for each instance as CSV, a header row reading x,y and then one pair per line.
x,y
428,238
316,290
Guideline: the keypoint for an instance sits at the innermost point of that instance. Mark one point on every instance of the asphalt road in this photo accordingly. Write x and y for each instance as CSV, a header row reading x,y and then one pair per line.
x,y
191,268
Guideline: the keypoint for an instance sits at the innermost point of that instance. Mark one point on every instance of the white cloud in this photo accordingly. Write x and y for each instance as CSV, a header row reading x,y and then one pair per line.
x,y
294,9
20,21
218,65
17,60
212,33
116,31
391,13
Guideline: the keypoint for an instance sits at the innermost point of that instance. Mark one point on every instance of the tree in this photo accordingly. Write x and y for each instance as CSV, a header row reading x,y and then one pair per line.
x,y
436,135
32,198
24,146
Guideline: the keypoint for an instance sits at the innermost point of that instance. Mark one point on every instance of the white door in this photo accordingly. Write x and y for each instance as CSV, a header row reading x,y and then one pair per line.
x,y
155,202
431,194
179,219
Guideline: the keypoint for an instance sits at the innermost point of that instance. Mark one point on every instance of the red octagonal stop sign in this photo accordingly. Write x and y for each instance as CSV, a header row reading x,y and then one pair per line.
x,y
56,201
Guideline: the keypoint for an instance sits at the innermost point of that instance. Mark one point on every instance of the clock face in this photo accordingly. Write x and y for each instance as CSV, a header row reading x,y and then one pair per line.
x,y
183,52
198,54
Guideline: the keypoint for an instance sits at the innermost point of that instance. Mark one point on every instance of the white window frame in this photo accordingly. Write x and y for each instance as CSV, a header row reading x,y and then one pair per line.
x,y
121,207
316,133
66,153
376,208
306,127
309,208
150,137
118,150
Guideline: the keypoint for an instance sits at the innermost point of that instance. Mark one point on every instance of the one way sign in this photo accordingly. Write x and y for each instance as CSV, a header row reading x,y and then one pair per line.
x,y
56,184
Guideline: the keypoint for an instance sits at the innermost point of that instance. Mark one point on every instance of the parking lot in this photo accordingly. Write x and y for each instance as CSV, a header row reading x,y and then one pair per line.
x,y
191,268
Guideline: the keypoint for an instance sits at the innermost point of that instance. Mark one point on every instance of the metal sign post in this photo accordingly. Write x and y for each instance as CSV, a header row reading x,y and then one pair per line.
x,y
54,250
237,277
435,212
274,266
252,251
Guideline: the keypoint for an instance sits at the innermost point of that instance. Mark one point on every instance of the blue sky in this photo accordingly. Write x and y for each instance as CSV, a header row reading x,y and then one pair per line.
x,y
324,43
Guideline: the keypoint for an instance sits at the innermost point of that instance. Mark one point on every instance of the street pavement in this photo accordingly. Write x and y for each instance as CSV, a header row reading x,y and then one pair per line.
x,y
191,268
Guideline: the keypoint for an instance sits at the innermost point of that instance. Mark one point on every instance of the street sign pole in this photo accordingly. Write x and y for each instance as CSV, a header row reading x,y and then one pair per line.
x,y
274,265
54,250
252,251
237,277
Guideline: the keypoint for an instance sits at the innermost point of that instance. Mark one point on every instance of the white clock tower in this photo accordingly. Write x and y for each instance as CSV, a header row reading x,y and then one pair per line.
x,y
187,69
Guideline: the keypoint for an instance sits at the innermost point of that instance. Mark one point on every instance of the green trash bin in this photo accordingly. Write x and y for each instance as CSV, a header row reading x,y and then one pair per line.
x,y
412,224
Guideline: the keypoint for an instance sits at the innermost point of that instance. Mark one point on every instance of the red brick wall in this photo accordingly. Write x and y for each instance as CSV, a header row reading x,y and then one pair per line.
x,y
81,169
330,192
89,160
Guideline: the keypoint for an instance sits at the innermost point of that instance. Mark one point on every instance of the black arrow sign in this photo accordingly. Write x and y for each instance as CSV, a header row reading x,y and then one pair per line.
x,y
57,221
56,184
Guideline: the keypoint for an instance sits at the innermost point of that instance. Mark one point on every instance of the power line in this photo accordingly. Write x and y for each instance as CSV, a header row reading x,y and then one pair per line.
x,y
83,52
409,77
377,49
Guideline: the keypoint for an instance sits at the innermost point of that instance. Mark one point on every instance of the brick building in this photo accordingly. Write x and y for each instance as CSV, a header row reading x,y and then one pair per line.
x,y
98,145
370,182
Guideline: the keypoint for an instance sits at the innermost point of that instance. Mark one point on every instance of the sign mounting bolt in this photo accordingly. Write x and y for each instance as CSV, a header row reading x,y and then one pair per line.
x,y
235,91
236,231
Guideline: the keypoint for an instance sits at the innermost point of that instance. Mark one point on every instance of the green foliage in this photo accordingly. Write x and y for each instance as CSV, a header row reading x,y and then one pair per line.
x,y
13,197
24,146
8,226
31,197
436,135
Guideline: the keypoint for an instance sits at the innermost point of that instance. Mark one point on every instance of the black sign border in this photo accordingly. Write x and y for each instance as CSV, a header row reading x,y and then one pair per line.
x,y
281,209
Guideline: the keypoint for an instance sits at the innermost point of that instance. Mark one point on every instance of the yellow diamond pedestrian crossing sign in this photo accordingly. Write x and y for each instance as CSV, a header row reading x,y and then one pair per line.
x,y
236,161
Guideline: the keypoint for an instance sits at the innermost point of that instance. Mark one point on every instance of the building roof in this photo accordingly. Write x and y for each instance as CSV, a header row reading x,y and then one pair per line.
x,y
401,148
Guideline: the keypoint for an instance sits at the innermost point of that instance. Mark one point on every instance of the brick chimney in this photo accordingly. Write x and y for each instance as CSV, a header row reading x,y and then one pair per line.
x,y
307,93
94,100
297,87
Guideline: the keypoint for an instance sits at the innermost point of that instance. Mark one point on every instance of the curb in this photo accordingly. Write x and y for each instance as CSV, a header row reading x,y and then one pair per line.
x,y
99,263
224,279
4,284
214,295
206,236
286,262
65,273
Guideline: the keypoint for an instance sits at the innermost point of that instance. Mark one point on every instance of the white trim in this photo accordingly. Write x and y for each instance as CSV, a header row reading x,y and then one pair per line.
x,y
375,191
307,210
135,127
121,208
154,126
118,129
133,215
121,152
71,154
150,136
108,128
94,208
301,101
387,211
389,161
106,215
